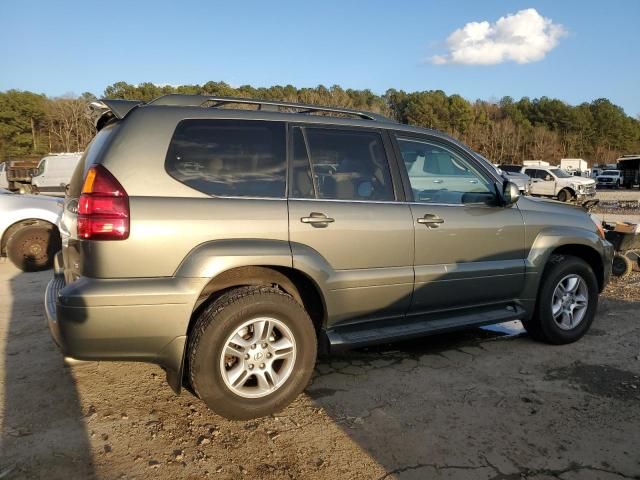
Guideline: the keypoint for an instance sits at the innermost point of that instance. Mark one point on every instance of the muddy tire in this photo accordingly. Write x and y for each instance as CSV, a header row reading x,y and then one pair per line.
x,y
33,248
564,195
567,301
621,266
251,352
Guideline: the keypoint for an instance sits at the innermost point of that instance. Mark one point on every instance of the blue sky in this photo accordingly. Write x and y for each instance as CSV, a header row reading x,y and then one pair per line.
x,y
59,47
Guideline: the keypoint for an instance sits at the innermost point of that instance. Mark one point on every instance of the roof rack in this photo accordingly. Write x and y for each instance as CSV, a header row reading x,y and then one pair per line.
x,y
182,100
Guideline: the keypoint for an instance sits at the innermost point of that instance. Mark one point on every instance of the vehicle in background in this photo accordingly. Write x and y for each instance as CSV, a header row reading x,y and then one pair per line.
x,y
555,182
229,245
522,181
29,233
19,173
54,173
512,168
535,163
3,175
629,165
575,166
609,179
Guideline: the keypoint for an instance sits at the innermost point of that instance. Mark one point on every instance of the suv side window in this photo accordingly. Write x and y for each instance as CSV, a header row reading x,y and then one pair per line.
x,y
439,175
340,164
230,158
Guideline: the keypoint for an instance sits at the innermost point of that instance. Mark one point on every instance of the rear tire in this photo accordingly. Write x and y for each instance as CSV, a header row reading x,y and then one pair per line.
x,y
621,266
567,301
33,248
251,352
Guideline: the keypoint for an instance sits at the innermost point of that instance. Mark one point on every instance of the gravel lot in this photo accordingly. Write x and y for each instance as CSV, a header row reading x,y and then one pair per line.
x,y
475,404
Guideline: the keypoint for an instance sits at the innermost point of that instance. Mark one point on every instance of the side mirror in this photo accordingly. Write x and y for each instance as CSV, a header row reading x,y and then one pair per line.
x,y
548,178
510,193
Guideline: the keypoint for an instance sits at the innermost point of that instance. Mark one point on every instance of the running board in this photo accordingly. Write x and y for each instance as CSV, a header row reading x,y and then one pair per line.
x,y
369,333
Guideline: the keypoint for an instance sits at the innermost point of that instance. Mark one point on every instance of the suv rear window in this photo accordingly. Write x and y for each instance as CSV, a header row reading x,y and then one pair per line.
x,y
229,158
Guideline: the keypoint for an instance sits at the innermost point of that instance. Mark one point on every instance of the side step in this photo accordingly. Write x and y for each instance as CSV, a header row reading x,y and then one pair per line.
x,y
369,333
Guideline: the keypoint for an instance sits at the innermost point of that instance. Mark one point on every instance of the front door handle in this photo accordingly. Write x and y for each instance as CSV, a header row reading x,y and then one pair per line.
x,y
437,180
318,220
430,220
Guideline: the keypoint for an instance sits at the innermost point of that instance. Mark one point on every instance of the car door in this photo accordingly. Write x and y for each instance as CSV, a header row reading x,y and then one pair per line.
x,y
469,250
347,226
543,182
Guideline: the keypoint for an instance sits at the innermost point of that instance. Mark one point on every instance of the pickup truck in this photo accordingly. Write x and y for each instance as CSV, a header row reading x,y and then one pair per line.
x,y
610,178
555,182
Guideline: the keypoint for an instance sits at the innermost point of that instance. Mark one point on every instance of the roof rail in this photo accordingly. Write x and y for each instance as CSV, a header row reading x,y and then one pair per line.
x,y
182,100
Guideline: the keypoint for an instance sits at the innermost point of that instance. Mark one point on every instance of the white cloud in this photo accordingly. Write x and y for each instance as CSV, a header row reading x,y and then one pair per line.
x,y
522,37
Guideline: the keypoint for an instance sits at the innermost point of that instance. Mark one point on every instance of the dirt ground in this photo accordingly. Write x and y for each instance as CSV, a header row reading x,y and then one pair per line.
x,y
471,405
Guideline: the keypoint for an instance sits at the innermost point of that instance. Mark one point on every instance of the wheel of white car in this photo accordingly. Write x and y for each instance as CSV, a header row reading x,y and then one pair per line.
x,y
32,248
565,195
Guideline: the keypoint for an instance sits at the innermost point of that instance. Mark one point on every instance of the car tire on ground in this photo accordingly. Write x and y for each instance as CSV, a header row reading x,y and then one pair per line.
x,y
564,195
622,265
251,352
32,248
567,301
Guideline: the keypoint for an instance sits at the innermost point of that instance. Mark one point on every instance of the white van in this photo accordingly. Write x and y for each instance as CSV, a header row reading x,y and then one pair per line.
x,y
54,173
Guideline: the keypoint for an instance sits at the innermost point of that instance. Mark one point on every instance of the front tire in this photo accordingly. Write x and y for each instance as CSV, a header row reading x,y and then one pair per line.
x,y
567,301
251,353
32,248
564,195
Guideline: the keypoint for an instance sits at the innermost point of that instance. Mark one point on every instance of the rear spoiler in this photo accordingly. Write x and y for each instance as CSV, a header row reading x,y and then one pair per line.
x,y
104,110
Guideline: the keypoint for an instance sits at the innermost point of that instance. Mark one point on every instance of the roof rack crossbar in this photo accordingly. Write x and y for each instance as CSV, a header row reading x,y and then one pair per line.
x,y
201,100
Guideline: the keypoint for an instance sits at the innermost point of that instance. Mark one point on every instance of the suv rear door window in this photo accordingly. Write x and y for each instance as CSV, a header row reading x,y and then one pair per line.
x,y
229,158
345,165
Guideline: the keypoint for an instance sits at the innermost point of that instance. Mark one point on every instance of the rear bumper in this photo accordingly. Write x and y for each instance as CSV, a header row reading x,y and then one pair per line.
x,y
113,319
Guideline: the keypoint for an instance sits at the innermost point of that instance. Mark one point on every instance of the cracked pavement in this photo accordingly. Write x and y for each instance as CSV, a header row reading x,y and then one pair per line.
x,y
465,405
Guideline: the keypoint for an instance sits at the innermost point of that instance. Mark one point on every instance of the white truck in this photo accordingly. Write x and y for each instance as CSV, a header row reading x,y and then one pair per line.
x,y
555,182
610,179
575,166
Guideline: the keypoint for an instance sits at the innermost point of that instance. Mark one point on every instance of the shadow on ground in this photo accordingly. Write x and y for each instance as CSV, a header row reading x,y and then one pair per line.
x,y
43,433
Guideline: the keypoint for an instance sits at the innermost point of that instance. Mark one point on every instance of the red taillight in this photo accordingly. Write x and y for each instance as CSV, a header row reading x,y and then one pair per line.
x,y
103,207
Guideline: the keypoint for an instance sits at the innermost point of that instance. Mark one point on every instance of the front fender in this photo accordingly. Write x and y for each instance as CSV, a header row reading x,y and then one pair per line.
x,y
548,240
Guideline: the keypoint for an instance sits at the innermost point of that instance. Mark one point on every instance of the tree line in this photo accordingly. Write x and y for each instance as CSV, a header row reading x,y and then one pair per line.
x,y
505,131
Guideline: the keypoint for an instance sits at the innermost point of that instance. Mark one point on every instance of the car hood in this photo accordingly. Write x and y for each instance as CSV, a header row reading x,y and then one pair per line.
x,y
580,180
552,206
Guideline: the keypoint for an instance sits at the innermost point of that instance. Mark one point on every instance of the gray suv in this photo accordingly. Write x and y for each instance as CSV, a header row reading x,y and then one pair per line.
x,y
230,245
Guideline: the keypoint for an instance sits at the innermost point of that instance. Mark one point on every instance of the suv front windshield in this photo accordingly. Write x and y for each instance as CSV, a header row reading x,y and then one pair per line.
x,y
558,172
611,172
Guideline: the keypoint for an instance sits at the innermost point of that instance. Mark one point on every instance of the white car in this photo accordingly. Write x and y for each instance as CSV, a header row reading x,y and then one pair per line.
x,y
29,233
4,183
610,178
555,182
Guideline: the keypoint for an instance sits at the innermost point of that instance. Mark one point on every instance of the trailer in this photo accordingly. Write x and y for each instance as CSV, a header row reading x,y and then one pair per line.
x,y
629,166
575,166
19,173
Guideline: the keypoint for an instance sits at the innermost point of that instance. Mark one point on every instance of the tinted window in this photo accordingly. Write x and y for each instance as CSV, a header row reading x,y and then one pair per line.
x,y
535,173
231,158
348,164
438,175
511,168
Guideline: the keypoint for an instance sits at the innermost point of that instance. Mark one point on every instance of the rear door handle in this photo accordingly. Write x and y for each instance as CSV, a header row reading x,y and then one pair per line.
x,y
430,220
437,180
318,220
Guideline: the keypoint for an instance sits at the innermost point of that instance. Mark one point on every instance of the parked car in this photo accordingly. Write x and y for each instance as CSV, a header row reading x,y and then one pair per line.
x,y
230,245
610,179
555,182
28,229
522,181
4,183
54,173
629,165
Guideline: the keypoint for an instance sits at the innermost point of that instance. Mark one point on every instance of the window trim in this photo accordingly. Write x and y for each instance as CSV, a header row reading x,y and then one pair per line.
x,y
223,119
396,180
467,156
